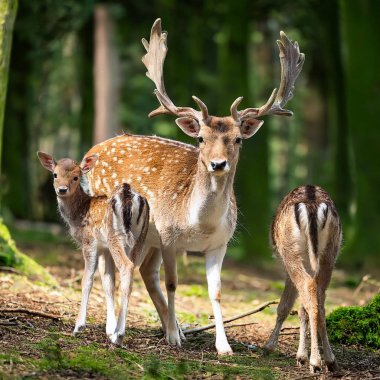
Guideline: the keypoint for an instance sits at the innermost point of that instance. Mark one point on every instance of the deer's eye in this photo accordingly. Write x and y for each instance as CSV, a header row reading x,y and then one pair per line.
x,y
200,139
55,175
75,178
238,140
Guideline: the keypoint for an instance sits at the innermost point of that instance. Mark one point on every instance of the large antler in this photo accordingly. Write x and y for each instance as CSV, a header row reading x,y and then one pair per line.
x,y
291,65
154,62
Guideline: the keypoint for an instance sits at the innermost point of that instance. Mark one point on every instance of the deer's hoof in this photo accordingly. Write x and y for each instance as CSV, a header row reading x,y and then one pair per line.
x,y
268,349
301,360
173,338
117,339
224,349
78,329
315,368
333,366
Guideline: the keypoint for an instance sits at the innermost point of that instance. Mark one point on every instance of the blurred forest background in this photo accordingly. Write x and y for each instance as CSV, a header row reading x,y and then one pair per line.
x,y
76,78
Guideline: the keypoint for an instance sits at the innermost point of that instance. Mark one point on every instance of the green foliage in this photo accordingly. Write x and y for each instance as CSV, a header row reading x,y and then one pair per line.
x,y
356,325
10,256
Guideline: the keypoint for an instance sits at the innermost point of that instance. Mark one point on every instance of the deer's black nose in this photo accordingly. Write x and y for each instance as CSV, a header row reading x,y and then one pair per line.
x,y
62,189
218,165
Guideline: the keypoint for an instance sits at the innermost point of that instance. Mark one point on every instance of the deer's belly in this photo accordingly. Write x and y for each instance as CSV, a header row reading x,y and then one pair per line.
x,y
204,239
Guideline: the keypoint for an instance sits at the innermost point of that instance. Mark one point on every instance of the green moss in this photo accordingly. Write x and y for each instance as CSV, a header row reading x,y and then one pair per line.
x,y
356,325
10,256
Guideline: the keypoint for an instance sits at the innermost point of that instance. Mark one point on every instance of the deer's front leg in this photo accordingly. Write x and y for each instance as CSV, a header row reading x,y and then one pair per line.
x,y
214,260
90,264
171,281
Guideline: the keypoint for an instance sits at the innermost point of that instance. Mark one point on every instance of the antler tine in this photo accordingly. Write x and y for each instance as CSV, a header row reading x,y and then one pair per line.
x,y
291,65
233,109
154,60
202,106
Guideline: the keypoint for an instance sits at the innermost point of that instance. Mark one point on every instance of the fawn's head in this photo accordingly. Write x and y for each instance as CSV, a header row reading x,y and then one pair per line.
x,y
220,138
66,172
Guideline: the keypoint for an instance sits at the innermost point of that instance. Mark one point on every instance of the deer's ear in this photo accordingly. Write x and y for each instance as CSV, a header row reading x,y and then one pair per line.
x,y
249,127
189,125
47,161
88,163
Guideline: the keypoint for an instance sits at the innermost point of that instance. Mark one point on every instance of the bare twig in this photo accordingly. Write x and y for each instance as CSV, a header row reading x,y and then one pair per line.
x,y
239,316
31,312
290,328
11,270
367,280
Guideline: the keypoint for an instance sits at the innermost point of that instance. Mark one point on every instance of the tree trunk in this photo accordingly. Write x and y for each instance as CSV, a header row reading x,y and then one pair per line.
x,y
361,30
106,76
8,10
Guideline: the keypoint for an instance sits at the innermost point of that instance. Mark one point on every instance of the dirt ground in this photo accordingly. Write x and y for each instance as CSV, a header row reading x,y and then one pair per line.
x,y
41,347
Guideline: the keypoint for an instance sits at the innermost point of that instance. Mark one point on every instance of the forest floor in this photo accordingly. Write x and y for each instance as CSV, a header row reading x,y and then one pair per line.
x,y
42,347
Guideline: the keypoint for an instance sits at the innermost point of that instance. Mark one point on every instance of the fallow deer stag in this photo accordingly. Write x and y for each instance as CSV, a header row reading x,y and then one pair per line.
x,y
306,235
189,189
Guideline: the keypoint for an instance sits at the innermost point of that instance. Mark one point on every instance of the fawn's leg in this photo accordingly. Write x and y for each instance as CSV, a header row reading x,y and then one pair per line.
x,y
171,282
90,264
323,279
302,354
284,307
150,272
107,275
309,299
214,261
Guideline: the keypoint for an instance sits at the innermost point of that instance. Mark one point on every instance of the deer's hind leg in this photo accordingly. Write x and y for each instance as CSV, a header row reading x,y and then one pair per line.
x,y
126,268
107,275
287,300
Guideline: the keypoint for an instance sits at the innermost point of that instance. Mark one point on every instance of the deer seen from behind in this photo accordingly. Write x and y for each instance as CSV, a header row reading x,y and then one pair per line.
x,y
189,189
119,224
306,235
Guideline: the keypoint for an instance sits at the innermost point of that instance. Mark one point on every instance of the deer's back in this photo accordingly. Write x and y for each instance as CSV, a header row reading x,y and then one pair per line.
x,y
306,224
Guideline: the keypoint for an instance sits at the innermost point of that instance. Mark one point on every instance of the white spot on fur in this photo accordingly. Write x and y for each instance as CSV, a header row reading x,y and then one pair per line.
x,y
122,151
113,150
103,171
116,183
174,196
115,158
120,161
114,175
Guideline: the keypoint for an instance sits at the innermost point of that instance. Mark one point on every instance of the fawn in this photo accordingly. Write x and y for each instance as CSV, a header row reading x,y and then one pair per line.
x,y
119,223
307,235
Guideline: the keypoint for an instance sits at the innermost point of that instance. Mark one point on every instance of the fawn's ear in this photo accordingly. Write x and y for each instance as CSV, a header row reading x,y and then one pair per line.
x,y
88,163
47,161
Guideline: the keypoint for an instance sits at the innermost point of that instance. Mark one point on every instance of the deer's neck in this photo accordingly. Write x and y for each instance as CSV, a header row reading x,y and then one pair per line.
x,y
74,207
210,198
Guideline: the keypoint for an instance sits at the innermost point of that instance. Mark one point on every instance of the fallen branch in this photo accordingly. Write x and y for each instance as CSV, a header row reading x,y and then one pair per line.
x,y
240,325
239,316
31,312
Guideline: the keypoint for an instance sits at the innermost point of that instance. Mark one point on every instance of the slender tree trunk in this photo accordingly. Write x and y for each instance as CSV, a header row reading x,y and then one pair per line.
x,y
361,30
8,10
106,75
